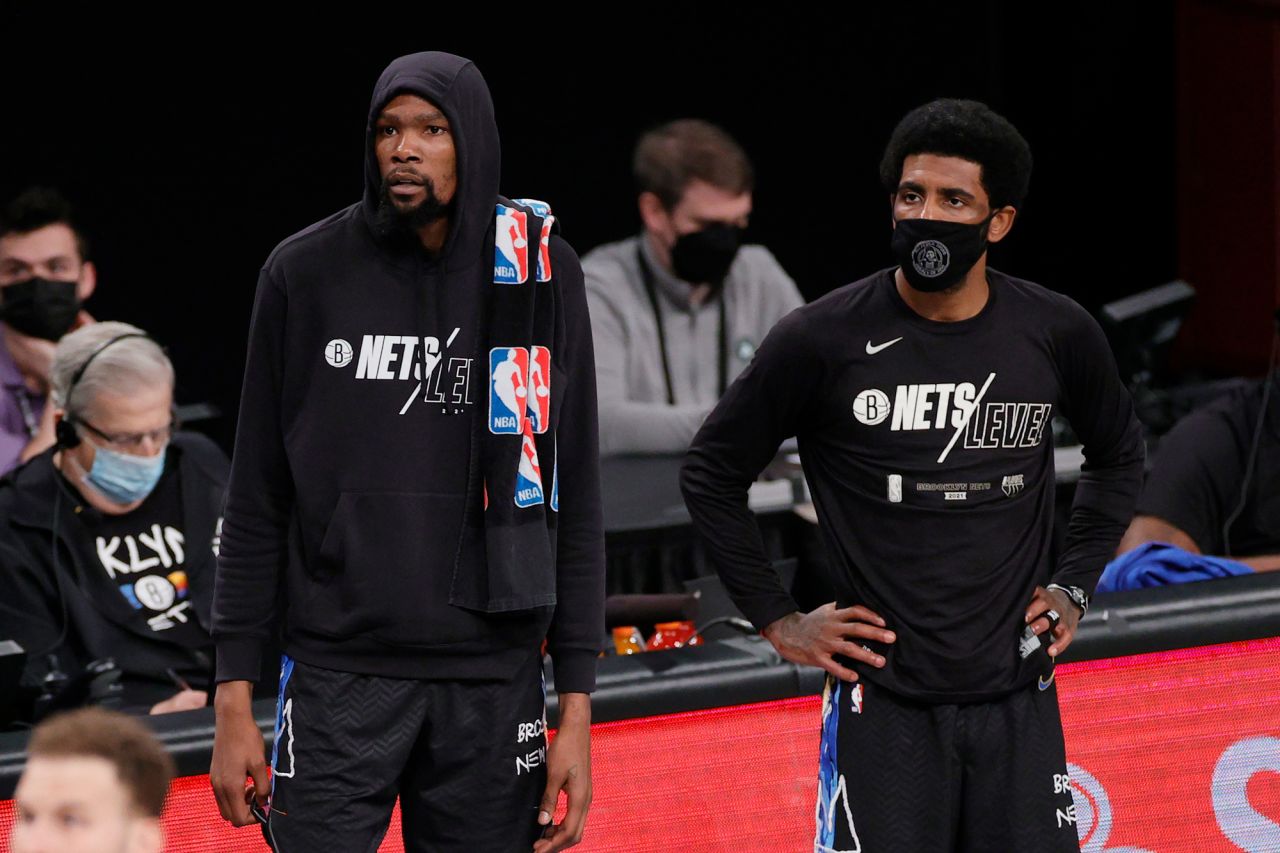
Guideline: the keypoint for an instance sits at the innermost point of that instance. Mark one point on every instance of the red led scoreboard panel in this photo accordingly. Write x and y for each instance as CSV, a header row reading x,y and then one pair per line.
x,y
1171,751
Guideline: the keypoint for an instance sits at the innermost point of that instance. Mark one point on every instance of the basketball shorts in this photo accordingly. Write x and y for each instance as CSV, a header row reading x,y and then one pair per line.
x,y
466,759
901,775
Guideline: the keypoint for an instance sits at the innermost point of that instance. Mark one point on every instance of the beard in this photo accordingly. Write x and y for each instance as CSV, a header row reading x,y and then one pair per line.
x,y
397,220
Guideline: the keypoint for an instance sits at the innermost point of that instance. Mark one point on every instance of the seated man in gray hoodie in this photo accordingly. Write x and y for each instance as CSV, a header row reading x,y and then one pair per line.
x,y
678,310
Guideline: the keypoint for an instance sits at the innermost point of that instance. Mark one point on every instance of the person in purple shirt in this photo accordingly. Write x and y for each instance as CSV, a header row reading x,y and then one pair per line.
x,y
45,276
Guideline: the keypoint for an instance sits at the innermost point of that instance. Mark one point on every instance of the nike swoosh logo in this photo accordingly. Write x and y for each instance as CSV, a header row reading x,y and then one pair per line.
x,y
1044,685
872,350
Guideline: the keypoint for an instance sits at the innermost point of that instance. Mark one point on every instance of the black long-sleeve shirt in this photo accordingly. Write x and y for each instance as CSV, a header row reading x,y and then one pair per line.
x,y
928,449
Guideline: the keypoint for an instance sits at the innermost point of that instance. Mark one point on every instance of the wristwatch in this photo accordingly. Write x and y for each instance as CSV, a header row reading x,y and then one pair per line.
x,y
1075,593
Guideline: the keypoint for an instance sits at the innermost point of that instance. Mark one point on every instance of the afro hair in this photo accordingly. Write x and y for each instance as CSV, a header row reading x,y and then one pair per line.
x,y
971,131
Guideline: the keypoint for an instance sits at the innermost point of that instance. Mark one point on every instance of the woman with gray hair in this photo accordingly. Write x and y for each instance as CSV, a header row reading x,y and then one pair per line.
x,y
108,539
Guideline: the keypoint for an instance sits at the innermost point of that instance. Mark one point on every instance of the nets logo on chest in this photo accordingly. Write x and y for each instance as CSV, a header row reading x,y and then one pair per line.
x,y
958,408
871,406
338,353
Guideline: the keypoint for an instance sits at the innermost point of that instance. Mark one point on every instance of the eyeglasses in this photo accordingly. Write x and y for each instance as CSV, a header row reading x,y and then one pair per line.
x,y
132,441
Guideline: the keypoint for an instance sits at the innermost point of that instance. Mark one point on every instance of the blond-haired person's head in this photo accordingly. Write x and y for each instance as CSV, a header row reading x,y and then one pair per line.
x,y
95,782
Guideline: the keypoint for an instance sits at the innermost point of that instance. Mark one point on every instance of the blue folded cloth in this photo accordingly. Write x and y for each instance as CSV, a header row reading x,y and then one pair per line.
x,y
1160,564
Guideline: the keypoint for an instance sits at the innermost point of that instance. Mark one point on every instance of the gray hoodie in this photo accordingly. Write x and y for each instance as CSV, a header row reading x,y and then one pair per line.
x,y
634,414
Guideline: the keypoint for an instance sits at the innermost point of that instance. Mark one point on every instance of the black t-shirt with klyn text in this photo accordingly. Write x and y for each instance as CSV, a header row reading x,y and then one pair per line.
x,y
143,554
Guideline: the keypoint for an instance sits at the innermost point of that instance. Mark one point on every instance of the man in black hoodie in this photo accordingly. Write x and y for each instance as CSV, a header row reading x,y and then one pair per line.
x,y
401,509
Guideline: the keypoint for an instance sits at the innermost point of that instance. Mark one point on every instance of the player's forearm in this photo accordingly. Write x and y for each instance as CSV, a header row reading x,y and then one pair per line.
x,y
575,709
1101,410
253,547
715,493
1106,498
767,403
1262,562
577,628
253,551
252,555
1148,528
233,697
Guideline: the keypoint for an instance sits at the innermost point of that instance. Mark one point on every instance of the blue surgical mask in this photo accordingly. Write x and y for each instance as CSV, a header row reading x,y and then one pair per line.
x,y
123,477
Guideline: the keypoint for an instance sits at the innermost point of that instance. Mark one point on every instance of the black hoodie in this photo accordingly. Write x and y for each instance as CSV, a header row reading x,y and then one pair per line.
x,y
352,476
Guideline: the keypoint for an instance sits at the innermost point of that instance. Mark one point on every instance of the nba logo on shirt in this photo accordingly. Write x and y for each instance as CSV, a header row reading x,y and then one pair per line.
x,y
511,247
528,473
540,386
508,394
855,699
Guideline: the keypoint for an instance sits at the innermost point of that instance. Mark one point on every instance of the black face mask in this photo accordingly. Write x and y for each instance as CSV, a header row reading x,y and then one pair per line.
x,y
704,257
39,307
935,254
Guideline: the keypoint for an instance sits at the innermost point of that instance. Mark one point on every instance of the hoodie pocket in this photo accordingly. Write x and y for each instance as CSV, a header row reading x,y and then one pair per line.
x,y
385,566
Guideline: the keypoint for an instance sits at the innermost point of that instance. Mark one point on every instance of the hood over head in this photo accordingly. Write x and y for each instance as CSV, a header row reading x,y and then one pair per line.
x,y
455,85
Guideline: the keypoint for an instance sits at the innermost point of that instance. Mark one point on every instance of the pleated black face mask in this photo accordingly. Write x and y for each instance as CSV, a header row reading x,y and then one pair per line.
x,y
935,254
704,257
40,307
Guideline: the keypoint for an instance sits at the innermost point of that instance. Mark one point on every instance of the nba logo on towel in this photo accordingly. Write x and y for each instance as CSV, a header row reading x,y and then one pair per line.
x,y
555,480
539,207
540,388
544,242
508,394
544,250
511,247
528,473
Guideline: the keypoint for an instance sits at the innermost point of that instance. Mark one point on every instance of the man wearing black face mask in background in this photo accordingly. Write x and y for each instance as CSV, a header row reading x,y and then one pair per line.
x,y
678,311
921,397
45,275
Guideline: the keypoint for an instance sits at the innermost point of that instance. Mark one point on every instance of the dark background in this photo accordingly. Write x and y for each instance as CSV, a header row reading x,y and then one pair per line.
x,y
190,156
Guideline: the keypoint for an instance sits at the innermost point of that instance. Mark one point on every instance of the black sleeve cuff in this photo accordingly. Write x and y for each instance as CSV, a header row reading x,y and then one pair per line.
x,y
239,659
575,670
763,612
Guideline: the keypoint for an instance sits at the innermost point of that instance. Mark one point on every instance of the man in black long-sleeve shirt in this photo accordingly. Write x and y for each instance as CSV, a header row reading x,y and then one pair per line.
x,y
922,397
414,503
